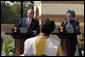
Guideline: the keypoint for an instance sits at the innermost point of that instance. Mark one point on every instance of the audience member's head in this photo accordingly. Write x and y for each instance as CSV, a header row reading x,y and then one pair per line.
x,y
47,26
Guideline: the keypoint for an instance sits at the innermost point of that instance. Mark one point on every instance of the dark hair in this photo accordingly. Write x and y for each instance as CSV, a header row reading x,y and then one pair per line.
x,y
47,26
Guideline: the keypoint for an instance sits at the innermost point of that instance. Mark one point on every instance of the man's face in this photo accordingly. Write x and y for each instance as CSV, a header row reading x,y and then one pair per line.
x,y
30,14
69,16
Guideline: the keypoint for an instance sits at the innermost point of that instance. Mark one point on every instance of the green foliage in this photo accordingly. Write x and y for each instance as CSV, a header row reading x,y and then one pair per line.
x,y
15,10
83,34
26,7
81,45
9,46
12,13
11,54
5,12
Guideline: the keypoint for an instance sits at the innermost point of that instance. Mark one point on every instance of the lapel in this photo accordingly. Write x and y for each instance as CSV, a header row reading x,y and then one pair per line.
x,y
26,22
31,22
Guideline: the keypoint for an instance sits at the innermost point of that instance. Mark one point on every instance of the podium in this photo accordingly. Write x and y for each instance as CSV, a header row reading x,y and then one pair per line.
x,y
65,40
24,34
19,38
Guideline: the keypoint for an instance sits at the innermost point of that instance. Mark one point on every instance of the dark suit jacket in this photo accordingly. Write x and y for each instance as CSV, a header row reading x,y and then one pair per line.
x,y
33,26
75,25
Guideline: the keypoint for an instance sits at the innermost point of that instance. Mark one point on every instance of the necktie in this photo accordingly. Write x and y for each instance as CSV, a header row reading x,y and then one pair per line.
x,y
28,24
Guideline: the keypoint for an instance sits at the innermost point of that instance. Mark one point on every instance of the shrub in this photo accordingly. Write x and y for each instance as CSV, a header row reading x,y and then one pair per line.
x,y
81,45
83,34
9,46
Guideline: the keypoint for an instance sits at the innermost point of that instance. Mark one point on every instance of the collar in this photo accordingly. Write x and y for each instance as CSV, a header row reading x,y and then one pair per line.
x,y
29,19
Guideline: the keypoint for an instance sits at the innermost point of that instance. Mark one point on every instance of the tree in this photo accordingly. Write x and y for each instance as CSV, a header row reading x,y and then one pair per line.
x,y
5,9
16,12
26,6
12,13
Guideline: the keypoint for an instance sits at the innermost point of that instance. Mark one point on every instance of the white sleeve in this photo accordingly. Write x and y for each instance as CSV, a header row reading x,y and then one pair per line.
x,y
27,47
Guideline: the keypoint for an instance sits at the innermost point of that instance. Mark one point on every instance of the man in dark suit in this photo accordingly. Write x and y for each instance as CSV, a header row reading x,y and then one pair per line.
x,y
72,26
30,23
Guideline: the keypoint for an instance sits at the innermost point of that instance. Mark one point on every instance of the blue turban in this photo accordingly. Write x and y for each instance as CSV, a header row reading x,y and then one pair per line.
x,y
71,12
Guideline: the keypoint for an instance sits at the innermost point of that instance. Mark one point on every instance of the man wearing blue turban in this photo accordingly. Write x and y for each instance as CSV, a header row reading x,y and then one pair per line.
x,y
71,12
72,26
